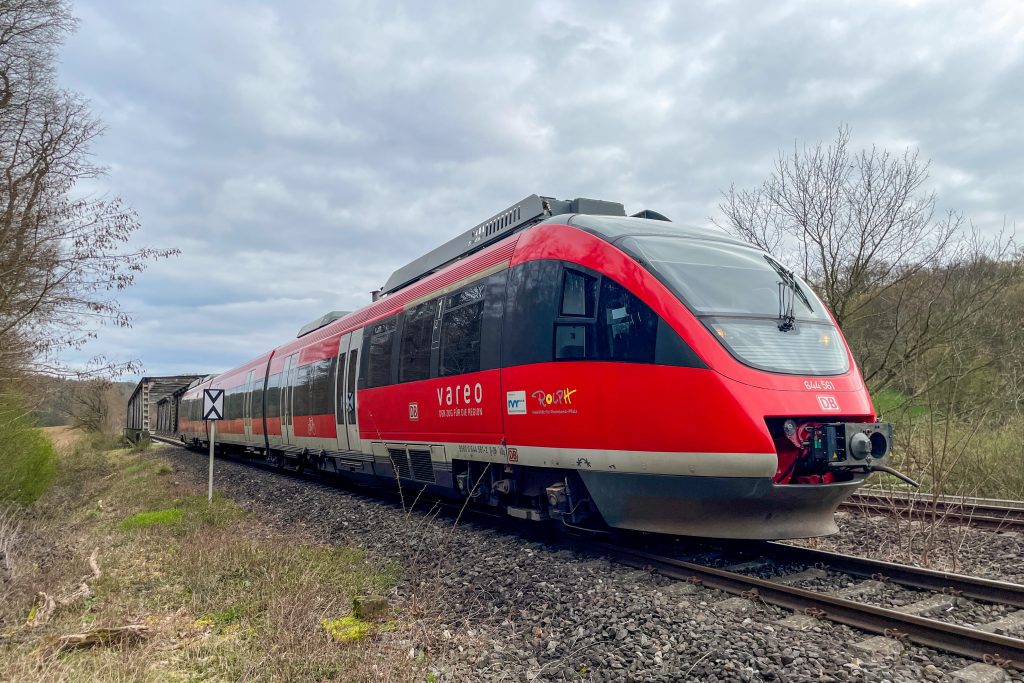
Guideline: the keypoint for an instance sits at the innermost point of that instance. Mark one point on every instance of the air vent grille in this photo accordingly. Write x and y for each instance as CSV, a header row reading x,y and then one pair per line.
x,y
400,462
422,468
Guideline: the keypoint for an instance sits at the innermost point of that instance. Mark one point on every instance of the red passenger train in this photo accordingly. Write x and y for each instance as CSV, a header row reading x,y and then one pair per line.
x,y
564,361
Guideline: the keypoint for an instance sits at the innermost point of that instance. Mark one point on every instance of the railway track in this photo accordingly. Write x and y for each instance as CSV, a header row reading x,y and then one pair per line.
x,y
985,513
939,591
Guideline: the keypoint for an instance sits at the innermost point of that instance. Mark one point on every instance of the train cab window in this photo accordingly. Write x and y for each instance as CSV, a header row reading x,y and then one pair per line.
x,y
417,331
570,342
461,331
568,312
380,350
578,294
627,329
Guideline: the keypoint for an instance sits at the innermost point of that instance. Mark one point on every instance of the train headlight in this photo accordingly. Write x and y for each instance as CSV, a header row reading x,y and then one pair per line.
x,y
859,446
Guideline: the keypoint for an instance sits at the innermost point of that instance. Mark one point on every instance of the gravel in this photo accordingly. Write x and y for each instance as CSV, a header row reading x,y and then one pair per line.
x,y
491,605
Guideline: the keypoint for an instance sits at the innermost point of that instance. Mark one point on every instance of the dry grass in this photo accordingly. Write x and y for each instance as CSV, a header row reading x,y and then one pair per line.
x,y
64,438
220,596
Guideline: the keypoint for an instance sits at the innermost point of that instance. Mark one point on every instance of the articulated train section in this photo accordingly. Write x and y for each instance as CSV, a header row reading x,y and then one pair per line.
x,y
561,360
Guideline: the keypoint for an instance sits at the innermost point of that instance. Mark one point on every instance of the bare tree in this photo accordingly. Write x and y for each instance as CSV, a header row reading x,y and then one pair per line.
x,y
63,256
862,228
89,405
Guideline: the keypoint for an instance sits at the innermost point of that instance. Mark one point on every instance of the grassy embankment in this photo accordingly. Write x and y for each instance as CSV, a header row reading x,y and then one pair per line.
x,y
951,455
209,592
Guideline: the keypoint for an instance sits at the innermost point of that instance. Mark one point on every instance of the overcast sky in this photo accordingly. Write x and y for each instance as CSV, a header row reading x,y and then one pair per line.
x,y
298,152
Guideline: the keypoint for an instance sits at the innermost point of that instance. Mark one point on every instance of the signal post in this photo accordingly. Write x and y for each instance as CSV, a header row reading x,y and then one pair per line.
x,y
213,410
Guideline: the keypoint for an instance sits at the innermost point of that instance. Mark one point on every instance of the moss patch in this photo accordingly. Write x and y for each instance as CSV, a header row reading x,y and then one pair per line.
x,y
350,628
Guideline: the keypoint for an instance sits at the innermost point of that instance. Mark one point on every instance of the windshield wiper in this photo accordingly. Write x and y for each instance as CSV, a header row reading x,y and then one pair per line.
x,y
788,286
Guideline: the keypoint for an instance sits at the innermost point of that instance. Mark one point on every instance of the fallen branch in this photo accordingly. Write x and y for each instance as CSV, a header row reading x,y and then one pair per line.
x,y
43,611
114,635
10,526
83,591
94,566
41,614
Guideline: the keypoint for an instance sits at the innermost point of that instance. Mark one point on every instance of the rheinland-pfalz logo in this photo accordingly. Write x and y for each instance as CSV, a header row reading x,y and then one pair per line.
x,y
516,402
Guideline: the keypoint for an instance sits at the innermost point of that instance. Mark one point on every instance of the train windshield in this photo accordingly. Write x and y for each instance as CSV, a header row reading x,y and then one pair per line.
x,y
741,295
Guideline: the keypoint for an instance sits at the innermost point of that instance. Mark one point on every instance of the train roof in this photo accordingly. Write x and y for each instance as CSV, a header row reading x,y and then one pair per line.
x,y
521,215
614,228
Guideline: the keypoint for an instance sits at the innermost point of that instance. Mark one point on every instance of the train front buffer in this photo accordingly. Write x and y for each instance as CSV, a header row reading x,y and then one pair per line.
x,y
823,452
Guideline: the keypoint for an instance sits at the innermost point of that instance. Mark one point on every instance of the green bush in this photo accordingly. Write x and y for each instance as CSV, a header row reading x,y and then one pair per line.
x,y
28,461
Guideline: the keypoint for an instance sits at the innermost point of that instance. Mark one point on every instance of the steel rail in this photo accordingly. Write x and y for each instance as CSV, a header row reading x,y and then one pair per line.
x,y
978,588
977,512
968,501
961,640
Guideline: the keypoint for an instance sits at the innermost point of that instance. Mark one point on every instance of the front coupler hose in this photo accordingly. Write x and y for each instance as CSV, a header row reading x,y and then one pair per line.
x,y
889,470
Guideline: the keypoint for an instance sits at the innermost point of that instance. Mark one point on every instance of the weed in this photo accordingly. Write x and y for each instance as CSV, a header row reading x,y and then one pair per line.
x,y
220,620
142,444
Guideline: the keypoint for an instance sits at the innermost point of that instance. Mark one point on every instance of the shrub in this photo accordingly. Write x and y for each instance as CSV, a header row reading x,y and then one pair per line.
x,y
27,457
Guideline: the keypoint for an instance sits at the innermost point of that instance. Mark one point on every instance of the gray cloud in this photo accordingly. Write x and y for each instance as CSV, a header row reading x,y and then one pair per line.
x,y
299,152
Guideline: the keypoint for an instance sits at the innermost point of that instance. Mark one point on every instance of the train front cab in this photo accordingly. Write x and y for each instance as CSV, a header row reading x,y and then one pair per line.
x,y
741,423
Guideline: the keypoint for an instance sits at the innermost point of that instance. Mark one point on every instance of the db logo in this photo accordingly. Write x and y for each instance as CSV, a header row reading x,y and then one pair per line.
x,y
828,403
414,411
513,454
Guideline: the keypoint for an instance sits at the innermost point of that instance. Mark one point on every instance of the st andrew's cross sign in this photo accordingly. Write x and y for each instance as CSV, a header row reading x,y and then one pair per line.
x,y
213,404
213,410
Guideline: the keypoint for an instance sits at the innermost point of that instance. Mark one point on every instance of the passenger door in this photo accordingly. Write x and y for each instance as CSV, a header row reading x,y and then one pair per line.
x,y
345,394
247,407
287,389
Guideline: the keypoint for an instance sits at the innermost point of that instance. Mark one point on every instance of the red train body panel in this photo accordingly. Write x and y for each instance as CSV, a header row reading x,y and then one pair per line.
x,y
572,366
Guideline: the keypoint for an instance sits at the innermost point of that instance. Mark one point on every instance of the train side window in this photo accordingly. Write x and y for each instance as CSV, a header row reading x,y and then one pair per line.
x,y
578,294
256,401
350,398
380,351
461,331
320,375
230,404
414,356
627,328
300,392
273,396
